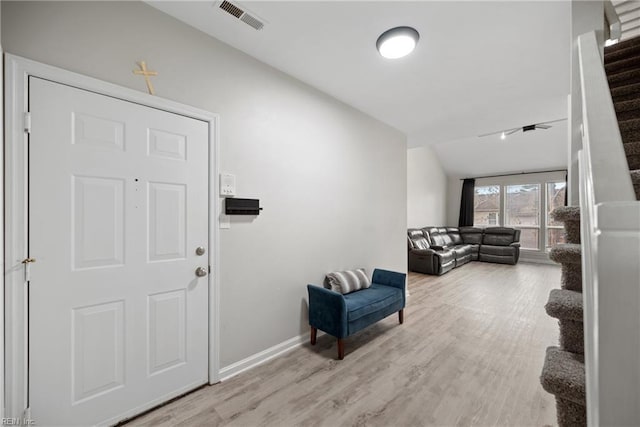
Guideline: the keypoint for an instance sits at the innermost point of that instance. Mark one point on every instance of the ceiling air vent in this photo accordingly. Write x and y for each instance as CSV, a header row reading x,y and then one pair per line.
x,y
231,9
252,21
241,14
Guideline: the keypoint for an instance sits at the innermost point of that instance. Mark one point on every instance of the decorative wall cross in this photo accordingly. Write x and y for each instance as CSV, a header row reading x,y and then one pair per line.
x,y
144,72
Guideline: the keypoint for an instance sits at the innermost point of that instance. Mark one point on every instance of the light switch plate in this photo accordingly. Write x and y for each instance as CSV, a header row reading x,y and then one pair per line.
x,y
227,185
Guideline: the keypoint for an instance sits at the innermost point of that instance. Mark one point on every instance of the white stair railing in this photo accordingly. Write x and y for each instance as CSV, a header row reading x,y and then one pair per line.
x,y
610,232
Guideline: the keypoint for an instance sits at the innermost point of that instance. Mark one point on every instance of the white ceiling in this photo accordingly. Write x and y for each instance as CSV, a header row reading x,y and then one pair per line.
x,y
479,67
521,152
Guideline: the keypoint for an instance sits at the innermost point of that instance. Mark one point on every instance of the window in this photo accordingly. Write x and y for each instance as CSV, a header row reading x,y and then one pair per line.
x,y
524,202
555,198
486,205
522,211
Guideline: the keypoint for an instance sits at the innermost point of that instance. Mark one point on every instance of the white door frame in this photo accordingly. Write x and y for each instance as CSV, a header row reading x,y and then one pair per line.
x,y
17,73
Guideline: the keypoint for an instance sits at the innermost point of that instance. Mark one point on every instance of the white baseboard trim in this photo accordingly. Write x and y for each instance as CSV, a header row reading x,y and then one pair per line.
x,y
263,356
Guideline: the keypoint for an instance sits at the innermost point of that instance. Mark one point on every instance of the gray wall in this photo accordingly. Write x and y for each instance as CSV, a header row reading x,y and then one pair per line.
x,y
332,181
426,188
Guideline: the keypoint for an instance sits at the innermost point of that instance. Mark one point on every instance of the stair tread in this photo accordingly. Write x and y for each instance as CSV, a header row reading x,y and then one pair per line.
x,y
563,375
624,44
624,98
625,91
566,213
565,304
628,105
624,63
631,124
629,129
623,76
566,253
621,52
632,152
632,147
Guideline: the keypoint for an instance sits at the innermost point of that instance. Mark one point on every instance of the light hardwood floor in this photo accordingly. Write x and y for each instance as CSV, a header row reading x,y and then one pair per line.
x,y
469,353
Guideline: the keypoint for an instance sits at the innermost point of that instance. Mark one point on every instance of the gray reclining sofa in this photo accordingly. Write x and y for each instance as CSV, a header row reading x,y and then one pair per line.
x,y
436,250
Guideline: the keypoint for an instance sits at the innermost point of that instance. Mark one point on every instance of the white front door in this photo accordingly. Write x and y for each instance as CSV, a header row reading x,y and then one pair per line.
x,y
118,205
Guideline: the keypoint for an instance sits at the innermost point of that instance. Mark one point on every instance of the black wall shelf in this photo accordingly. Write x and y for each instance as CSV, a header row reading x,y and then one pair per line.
x,y
234,206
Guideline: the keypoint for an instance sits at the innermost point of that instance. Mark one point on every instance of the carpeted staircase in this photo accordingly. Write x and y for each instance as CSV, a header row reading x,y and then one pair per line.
x,y
563,374
622,64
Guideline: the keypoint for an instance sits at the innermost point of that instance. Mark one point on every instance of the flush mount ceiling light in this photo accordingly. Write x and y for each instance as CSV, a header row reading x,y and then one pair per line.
x,y
397,42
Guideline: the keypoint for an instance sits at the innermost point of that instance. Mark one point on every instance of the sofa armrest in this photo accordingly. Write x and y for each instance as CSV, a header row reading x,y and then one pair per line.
x,y
391,278
515,244
327,311
516,235
423,251
440,248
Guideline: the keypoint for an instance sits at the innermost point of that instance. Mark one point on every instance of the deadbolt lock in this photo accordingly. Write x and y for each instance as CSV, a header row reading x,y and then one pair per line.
x,y
200,250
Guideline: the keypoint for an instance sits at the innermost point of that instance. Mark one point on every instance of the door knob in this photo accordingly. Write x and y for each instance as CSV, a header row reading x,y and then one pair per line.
x,y
201,271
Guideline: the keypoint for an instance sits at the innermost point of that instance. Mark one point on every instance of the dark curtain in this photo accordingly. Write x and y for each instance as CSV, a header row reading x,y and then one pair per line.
x,y
466,203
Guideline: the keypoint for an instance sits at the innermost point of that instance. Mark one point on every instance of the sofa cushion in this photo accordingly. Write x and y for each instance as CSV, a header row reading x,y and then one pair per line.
x,y
417,239
437,236
445,256
498,250
475,249
462,250
348,281
497,239
454,233
499,230
471,235
499,236
498,259
463,260
375,298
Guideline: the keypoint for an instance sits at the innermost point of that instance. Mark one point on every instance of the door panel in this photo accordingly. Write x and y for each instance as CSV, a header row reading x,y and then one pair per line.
x,y
167,221
166,145
98,350
167,335
118,203
97,214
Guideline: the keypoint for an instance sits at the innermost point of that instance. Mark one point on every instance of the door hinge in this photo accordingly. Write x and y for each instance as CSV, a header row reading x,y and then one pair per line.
x,y
27,268
27,122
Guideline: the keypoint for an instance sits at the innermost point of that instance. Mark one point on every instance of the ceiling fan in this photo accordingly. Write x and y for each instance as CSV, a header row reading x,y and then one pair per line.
x,y
506,132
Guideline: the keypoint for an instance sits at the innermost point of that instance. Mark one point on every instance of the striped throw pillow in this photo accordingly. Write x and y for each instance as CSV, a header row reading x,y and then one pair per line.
x,y
345,282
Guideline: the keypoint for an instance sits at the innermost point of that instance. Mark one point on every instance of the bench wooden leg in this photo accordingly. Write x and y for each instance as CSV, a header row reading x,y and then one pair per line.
x,y
340,348
401,316
314,334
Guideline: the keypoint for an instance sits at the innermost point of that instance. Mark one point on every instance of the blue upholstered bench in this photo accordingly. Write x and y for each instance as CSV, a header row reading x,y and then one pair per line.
x,y
344,315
